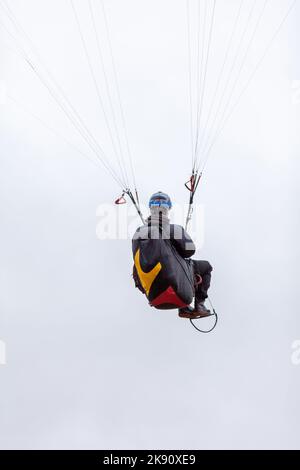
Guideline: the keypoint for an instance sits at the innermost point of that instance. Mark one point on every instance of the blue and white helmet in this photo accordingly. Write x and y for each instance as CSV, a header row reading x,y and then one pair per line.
x,y
160,200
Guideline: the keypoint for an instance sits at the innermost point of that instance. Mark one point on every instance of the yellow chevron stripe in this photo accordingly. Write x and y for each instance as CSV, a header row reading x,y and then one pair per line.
x,y
146,279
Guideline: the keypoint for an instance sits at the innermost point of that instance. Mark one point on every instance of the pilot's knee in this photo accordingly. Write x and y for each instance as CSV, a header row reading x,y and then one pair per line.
x,y
207,267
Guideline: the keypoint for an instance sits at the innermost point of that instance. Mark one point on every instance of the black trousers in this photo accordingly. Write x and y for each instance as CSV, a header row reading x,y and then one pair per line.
x,y
203,269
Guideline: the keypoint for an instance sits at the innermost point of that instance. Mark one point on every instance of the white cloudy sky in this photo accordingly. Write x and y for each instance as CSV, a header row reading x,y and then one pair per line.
x,y
89,364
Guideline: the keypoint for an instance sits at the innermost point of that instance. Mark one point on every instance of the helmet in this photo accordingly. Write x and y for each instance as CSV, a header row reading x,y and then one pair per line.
x,y
160,200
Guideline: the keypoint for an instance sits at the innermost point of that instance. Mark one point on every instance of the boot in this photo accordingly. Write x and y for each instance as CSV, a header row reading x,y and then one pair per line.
x,y
193,314
187,312
201,310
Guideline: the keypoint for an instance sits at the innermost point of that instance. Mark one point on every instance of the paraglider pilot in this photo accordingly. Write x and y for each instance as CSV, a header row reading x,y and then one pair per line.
x,y
163,266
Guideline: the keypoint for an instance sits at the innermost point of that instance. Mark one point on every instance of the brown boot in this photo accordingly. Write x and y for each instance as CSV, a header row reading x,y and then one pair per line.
x,y
201,310
190,313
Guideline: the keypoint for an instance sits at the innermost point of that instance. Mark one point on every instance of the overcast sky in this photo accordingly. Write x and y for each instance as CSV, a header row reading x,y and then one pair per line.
x,y
89,363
